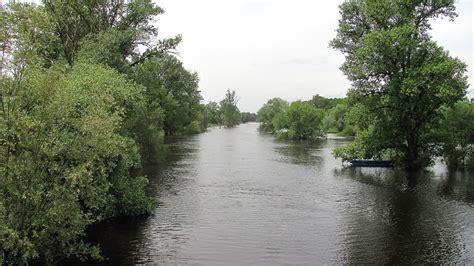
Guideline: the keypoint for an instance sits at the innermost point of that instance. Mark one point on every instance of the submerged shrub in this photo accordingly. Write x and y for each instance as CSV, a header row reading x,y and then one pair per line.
x,y
66,160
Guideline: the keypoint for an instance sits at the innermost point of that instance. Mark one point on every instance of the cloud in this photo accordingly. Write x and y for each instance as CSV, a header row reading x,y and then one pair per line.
x,y
277,48
315,61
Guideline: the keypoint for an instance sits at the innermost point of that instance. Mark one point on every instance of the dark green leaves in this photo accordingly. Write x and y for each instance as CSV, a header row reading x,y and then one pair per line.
x,y
399,75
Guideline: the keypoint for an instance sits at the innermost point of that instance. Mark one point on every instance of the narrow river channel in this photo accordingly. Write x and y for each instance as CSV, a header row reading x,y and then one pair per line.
x,y
237,196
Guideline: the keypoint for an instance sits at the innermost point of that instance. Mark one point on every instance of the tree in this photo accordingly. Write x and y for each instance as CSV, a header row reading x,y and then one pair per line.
x,y
248,117
401,77
108,32
172,88
456,136
269,111
69,134
229,111
301,120
334,120
325,103
66,160
214,113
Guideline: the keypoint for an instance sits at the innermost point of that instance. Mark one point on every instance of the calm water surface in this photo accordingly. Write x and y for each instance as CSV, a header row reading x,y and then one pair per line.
x,y
236,196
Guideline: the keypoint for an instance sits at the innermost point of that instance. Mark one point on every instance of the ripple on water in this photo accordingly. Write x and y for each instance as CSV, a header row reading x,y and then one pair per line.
x,y
235,196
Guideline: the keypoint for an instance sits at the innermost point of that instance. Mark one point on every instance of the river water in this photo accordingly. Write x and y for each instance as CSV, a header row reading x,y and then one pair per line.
x,y
237,196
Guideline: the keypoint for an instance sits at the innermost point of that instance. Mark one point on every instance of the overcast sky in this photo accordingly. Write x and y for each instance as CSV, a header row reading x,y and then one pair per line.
x,y
274,48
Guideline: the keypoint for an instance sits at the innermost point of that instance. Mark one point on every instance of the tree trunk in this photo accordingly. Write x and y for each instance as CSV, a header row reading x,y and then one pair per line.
x,y
412,163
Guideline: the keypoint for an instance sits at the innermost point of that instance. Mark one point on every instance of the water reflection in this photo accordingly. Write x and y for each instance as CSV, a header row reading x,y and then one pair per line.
x,y
129,240
400,223
381,177
300,152
234,196
458,185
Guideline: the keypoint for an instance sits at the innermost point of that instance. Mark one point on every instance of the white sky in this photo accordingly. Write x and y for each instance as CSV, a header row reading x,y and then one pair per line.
x,y
275,48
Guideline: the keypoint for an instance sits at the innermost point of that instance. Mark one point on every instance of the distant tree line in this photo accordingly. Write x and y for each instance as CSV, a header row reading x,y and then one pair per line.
x,y
305,119
452,138
226,113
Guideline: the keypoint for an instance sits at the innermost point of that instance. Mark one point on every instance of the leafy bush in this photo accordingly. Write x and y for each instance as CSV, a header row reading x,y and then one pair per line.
x,y
300,121
66,160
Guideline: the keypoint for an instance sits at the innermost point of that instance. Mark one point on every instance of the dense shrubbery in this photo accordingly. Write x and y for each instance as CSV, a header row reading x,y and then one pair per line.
x,y
169,87
307,119
83,104
451,136
269,111
66,159
456,136
248,117
301,120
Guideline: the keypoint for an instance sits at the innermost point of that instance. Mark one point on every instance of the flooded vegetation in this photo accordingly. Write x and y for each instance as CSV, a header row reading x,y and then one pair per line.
x,y
112,151
236,194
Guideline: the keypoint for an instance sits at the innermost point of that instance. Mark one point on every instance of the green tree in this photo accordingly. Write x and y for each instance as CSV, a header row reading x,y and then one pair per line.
x,y
214,113
269,111
229,111
301,120
248,117
325,103
172,88
66,157
456,136
334,121
116,33
401,77
72,127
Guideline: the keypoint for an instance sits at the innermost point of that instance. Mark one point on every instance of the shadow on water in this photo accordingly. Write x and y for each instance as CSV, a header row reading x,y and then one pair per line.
x,y
120,239
236,196
390,220
458,185
300,152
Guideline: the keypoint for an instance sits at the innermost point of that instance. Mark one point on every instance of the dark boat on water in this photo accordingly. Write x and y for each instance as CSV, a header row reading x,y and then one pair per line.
x,y
371,163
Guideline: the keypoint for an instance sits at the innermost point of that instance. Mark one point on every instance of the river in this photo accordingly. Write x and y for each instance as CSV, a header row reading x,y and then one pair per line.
x,y
237,196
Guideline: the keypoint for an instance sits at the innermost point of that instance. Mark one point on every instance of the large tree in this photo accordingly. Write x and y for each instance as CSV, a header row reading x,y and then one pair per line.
x,y
269,111
229,111
172,88
214,113
399,74
117,33
69,133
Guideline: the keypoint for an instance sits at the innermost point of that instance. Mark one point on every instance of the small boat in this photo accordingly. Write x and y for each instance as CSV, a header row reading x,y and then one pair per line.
x,y
371,163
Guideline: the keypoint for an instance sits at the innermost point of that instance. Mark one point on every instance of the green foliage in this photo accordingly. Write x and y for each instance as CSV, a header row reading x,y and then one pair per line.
x,y
66,160
456,136
325,103
71,135
269,111
108,32
194,128
334,121
26,37
214,113
365,146
230,114
248,117
170,87
301,120
399,75
202,118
